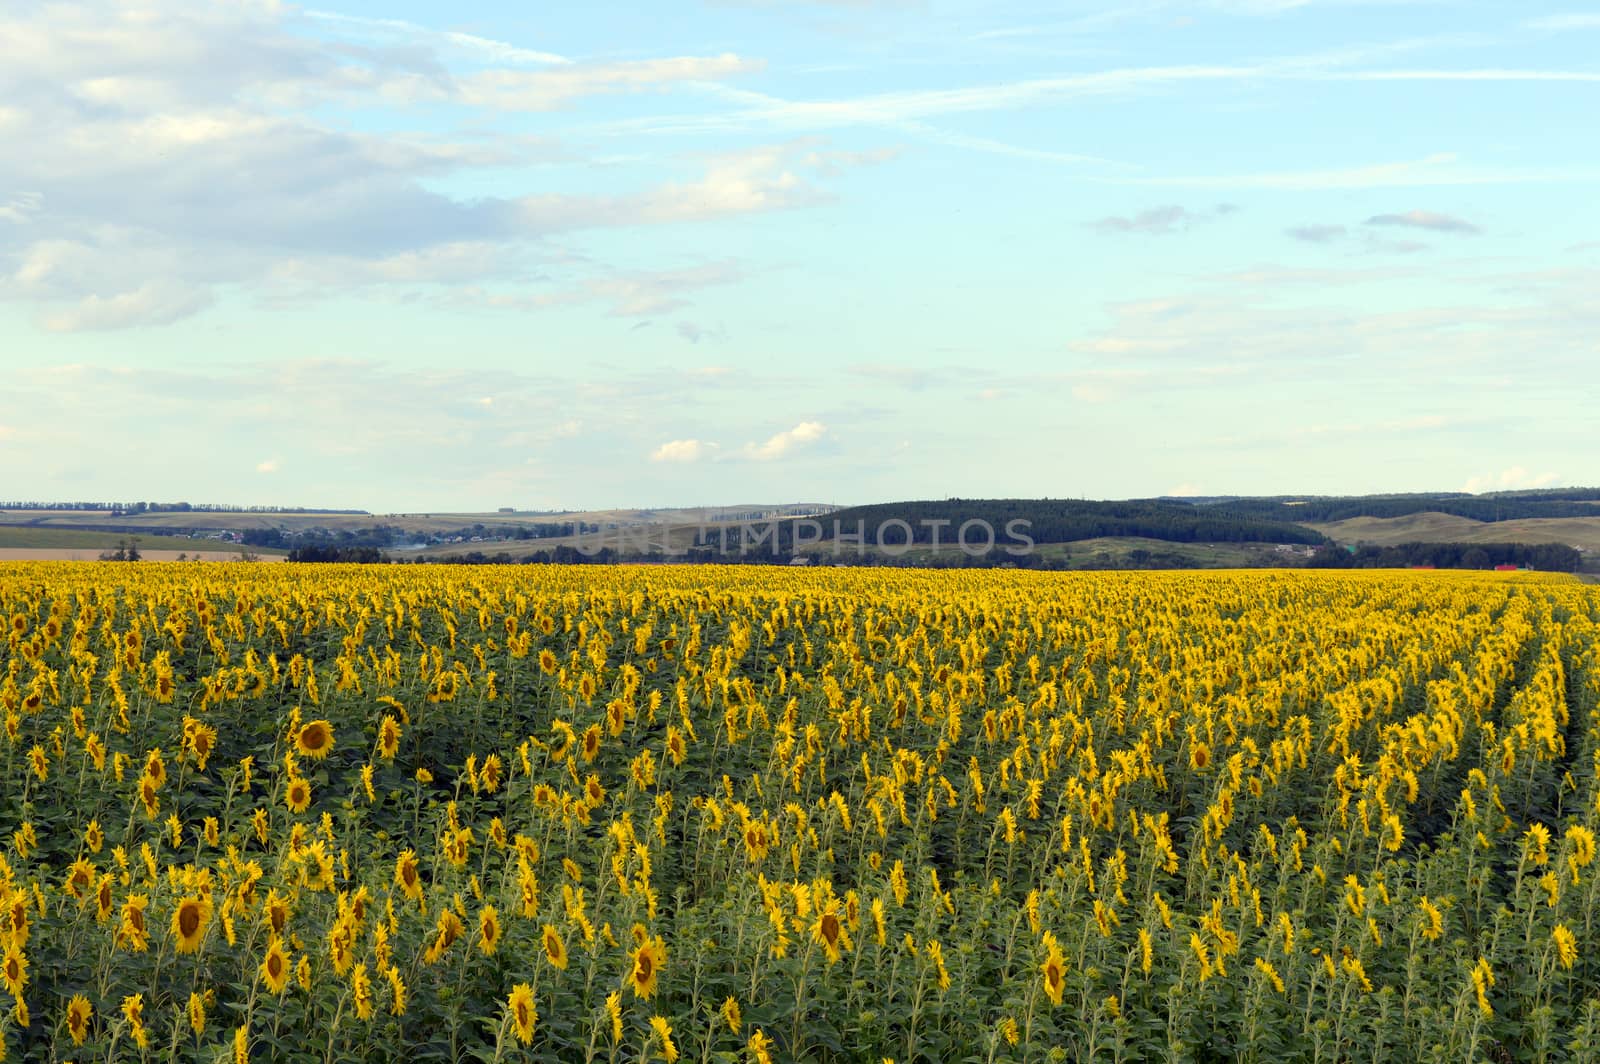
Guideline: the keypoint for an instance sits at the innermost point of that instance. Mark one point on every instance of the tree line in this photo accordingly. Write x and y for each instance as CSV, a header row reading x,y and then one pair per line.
x,y
1565,502
123,509
1069,520
1547,557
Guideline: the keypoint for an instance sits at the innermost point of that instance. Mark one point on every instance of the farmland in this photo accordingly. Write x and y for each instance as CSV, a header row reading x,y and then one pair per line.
x,y
750,813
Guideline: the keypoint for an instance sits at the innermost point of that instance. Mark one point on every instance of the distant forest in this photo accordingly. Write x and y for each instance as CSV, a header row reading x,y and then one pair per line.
x,y
124,509
1509,506
1546,557
1069,520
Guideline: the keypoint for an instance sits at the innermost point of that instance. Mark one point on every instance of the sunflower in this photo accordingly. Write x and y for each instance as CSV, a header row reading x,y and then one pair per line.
x,y
730,1014
388,738
647,958
80,879
663,1031
103,898
276,911
361,987
132,933
133,1012
555,950
614,1014
523,1013
314,739
1566,944
79,1012
275,966
202,743
1199,756
547,661
447,930
397,990
488,930
406,875
492,772
760,1047
591,743
1053,969
197,1012
156,768
189,921
829,933
14,969
298,796
757,843
149,794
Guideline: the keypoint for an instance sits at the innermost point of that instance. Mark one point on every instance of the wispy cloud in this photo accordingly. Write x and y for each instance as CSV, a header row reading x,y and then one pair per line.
x,y
1431,220
1317,234
1159,221
545,90
757,110
1443,169
481,47
1574,21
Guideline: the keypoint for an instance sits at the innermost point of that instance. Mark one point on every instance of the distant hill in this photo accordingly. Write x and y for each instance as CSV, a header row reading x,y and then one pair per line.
x,y
1580,532
1071,520
1497,506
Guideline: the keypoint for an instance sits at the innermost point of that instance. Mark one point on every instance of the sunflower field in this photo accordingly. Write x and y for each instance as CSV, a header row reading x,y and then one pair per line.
x,y
332,813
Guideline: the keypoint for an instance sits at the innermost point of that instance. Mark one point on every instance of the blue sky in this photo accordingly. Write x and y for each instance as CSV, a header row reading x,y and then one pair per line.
x,y
407,256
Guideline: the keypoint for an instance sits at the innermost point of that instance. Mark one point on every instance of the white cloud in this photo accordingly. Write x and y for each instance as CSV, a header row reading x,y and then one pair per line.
x,y
782,443
153,303
177,148
1092,393
17,208
1514,478
269,465
682,451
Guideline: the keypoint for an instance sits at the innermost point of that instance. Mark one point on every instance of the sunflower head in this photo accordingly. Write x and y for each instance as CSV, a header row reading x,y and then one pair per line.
x,y
555,950
275,966
314,739
488,930
388,738
648,958
79,1012
523,1013
189,922
298,795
